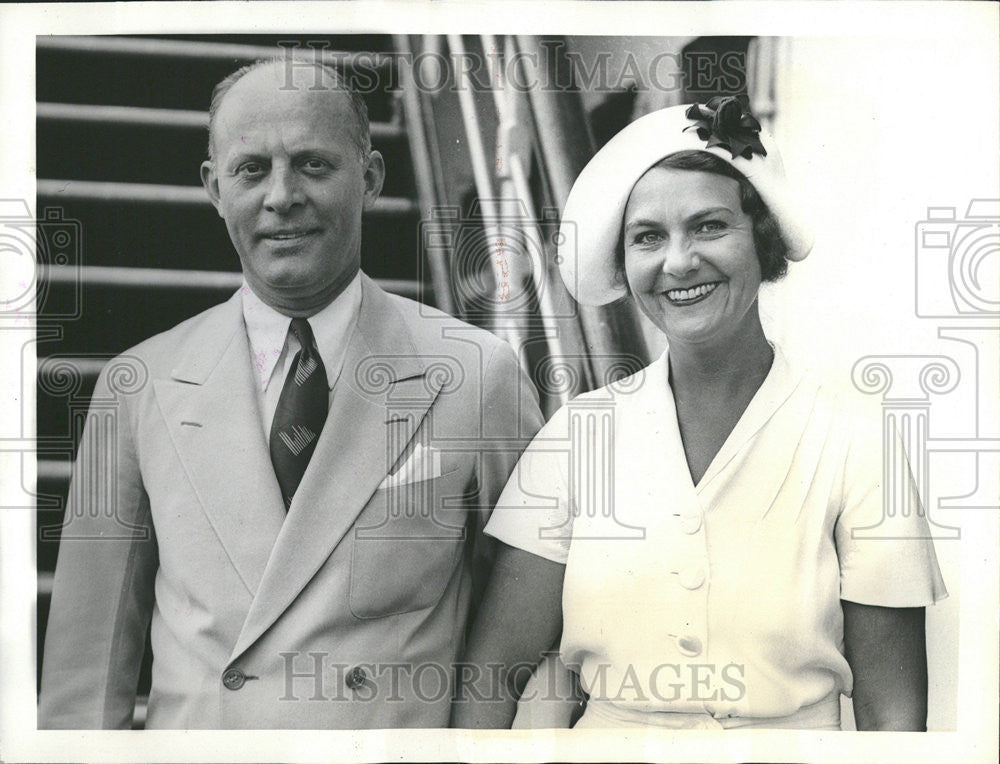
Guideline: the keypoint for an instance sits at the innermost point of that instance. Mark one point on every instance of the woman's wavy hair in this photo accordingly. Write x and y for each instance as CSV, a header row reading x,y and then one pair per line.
x,y
771,249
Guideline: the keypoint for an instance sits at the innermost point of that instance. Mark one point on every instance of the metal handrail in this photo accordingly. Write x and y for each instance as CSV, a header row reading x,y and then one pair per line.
x,y
514,153
611,333
423,174
487,196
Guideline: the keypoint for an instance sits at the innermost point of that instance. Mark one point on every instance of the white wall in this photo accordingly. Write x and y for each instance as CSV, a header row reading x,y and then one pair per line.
x,y
875,131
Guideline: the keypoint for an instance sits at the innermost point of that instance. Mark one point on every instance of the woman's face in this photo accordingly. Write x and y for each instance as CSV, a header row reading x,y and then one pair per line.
x,y
690,258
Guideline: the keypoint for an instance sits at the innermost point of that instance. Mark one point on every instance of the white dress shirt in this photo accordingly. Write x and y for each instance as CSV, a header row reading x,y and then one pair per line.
x,y
273,347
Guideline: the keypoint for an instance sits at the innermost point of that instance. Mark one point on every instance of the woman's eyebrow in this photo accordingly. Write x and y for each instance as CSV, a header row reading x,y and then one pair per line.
x,y
707,212
641,222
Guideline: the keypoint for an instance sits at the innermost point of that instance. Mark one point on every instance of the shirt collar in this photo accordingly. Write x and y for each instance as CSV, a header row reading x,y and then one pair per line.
x,y
267,330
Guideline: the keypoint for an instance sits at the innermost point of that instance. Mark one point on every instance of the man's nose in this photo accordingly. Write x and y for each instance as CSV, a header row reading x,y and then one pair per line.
x,y
283,190
681,256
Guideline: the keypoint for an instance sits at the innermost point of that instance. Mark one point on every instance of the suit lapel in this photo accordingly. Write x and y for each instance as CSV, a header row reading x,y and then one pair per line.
x,y
211,411
359,443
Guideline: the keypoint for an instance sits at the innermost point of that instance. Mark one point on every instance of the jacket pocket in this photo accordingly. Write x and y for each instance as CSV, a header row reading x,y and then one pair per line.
x,y
407,546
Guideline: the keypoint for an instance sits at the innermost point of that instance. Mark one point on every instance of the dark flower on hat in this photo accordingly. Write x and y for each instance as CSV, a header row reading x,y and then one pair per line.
x,y
725,121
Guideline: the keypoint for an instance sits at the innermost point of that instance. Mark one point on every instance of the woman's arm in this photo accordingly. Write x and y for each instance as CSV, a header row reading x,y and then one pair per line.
x,y
885,647
520,618
552,699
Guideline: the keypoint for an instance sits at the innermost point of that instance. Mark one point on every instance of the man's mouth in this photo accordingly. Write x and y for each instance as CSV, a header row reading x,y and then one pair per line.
x,y
691,295
287,235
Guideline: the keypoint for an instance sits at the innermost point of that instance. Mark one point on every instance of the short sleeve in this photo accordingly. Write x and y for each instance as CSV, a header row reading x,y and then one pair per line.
x,y
884,542
534,509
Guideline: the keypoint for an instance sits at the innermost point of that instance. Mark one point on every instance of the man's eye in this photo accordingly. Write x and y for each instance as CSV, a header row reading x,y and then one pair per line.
x,y
315,164
250,169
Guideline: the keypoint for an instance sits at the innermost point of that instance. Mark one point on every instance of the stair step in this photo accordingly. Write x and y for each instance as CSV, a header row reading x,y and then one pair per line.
x,y
193,237
162,72
152,193
142,116
164,278
117,308
159,47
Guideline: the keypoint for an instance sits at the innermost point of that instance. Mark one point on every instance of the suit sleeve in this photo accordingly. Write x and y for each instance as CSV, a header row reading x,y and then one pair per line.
x,y
102,597
510,419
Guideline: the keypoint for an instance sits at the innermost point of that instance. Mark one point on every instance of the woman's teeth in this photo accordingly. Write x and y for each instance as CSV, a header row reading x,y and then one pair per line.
x,y
692,293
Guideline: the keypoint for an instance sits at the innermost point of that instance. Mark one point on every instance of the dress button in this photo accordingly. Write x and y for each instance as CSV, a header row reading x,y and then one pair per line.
x,y
356,677
233,679
692,577
689,646
691,522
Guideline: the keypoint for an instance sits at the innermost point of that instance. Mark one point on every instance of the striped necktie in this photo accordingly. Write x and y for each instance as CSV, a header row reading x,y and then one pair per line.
x,y
301,412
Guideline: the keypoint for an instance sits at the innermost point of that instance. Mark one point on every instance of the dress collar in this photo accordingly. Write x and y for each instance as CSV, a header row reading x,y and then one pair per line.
x,y
781,380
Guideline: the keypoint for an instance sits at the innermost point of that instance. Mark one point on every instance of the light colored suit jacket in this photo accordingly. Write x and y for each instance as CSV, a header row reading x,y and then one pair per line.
x,y
350,611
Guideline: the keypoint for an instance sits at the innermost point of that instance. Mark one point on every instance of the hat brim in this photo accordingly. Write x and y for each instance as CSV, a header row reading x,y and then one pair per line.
x,y
592,220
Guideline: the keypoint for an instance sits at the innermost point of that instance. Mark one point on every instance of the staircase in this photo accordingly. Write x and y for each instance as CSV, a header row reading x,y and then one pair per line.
x,y
121,132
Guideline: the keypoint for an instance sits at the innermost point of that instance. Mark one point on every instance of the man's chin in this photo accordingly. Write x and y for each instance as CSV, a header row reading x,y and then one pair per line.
x,y
298,292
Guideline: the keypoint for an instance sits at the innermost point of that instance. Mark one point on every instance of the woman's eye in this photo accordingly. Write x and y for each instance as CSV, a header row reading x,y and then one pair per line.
x,y
647,238
711,226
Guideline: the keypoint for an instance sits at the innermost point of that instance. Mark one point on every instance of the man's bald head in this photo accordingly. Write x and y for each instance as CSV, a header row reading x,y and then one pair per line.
x,y
296,73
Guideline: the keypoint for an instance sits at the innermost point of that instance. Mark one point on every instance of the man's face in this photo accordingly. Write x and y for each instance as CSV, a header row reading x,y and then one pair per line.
x,y
289,181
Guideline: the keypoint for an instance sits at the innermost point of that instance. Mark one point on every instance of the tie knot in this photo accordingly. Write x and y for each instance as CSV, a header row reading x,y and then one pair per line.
x,y
304,334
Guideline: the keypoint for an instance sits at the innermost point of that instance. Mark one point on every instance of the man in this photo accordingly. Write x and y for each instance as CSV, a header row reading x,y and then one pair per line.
x,y
307,464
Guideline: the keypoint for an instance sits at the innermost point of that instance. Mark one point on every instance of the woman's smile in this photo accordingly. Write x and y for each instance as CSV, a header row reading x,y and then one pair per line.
x,y
691,295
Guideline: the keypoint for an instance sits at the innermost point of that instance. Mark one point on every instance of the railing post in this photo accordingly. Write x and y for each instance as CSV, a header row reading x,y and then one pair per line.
x,y
610,332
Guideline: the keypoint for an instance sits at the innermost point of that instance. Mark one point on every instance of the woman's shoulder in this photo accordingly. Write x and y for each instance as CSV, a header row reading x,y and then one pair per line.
x,y
623,383
846,398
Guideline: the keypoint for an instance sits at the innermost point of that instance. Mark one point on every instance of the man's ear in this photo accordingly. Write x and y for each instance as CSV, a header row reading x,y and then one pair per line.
x,y
374,178
210,180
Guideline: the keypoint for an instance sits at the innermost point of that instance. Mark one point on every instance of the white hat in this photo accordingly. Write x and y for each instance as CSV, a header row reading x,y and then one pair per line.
x,y
592,221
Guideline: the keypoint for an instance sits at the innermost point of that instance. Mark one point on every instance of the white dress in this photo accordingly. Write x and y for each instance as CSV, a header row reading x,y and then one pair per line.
x,y
717,605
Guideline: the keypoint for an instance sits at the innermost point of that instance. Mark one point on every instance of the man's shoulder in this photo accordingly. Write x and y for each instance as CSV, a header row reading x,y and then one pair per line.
x,y
432,329
167,346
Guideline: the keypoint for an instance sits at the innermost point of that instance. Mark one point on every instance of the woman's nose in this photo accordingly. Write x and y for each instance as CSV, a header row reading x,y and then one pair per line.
x,y
680,257
283,191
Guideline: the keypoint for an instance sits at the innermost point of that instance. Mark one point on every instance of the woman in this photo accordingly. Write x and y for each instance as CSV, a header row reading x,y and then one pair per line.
x,y
709,535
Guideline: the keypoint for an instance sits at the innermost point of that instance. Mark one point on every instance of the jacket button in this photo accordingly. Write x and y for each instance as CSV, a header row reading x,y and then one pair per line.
x,y
693,577
689,646
356,677
233,679
691,522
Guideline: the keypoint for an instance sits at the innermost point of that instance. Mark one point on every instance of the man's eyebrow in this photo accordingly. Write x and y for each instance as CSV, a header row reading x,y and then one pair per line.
x,y
241,156
312,150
